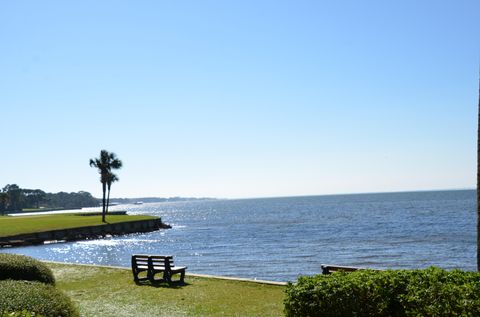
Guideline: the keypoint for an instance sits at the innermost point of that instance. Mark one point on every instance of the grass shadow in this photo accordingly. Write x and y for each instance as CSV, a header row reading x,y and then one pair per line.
x,y
160,284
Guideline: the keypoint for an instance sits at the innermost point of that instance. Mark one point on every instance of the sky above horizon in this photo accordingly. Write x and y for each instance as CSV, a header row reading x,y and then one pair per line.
x,y
240,98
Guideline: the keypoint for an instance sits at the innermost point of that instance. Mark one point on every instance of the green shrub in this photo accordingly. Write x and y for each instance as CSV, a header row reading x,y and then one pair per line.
x,y
27,298
20,267
429,292
22,313
436,292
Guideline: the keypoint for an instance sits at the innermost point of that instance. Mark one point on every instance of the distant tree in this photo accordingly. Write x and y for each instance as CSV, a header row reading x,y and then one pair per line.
x,y
33,197
111,178
3,202
105,163
14,196
86,199
39,197
70,200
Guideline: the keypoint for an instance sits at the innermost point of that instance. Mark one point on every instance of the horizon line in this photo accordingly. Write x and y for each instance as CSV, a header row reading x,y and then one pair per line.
x,y
306,195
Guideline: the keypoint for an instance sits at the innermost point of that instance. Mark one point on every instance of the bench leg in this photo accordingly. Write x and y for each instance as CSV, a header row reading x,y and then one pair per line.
x,y
137,279
167,277
152,279
180,280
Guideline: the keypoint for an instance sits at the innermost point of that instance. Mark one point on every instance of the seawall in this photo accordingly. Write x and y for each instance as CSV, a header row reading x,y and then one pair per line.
x,y
83,233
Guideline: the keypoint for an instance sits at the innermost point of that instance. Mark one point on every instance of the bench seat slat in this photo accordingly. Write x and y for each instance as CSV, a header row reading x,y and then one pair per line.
x,y
142,266
160,268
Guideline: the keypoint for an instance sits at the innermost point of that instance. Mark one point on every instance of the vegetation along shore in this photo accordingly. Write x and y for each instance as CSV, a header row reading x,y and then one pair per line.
x,y
14,199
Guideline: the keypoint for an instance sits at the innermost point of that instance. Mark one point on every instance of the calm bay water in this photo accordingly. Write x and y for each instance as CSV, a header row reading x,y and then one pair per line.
x,y
281,238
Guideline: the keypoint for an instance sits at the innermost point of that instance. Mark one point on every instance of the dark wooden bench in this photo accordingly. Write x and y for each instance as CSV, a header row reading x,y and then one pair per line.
x,y
328,269
155,264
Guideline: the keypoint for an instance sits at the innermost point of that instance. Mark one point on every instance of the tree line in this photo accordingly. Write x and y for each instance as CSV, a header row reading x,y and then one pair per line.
x,y
14,198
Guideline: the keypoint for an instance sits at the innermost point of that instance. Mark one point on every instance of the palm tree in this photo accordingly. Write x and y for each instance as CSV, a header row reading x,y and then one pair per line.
x,y
111,178
105,163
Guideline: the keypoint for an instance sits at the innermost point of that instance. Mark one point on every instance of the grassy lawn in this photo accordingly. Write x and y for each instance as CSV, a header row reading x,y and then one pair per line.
x,y
27,224
100,291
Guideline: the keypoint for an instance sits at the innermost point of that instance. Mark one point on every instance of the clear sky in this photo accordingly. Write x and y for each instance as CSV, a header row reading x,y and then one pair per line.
x,y
240,98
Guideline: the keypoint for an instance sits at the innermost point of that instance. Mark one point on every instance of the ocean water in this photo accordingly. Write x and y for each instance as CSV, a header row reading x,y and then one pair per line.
x,y
281,238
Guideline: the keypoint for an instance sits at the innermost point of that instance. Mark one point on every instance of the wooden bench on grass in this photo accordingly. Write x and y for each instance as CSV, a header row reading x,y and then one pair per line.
x,y
154,264
328,269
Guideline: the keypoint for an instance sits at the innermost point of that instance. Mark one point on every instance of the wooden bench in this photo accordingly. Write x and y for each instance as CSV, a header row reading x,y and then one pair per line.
x,y
154,264
328,269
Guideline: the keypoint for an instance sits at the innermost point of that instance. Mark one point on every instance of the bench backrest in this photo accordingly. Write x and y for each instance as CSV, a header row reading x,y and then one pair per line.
x,y
160,260
139,260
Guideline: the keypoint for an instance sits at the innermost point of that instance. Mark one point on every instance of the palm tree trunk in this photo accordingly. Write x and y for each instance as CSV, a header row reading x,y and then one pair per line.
x,y
104,187
478,181
108,200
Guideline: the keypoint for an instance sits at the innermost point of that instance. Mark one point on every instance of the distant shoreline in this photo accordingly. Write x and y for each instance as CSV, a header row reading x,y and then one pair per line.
x,y
156,199
352,194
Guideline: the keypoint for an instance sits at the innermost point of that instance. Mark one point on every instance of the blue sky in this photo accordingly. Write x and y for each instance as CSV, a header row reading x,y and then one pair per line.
x,y
240,98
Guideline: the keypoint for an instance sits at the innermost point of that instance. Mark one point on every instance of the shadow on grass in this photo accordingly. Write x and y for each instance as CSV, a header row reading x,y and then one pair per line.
x,y
173,285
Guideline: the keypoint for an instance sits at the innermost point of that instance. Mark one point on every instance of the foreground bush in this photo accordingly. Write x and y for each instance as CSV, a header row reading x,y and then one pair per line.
x,y
22,313
429,292
38,299
20,267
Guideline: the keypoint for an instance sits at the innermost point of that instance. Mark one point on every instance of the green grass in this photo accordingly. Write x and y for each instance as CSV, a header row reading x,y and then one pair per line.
x,y
27,224
100,291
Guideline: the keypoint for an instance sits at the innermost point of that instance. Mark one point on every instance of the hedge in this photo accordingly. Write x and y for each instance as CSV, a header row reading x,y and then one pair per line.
x,y
397,293
27,298
23,313
20,267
